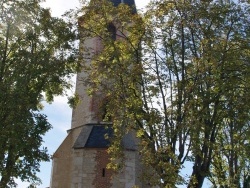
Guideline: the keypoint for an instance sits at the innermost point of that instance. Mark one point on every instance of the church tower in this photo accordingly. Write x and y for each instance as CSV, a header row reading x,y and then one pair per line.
x,y
81,159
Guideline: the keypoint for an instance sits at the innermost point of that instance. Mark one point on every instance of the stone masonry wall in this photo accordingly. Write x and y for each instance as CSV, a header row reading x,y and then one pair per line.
x,y
62,165
103,175
89,170
83,168
126,177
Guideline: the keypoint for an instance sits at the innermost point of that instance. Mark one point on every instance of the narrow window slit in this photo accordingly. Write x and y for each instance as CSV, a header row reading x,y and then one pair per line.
x,y
103,172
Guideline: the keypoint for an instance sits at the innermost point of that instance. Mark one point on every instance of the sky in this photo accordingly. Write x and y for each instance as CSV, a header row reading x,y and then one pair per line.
x,y
59,113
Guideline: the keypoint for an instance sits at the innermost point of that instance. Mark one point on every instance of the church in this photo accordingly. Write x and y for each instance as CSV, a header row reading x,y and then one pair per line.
x,y
81,160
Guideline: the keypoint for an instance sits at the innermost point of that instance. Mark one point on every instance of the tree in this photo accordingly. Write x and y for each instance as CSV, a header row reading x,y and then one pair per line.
x,y
37,56
178,75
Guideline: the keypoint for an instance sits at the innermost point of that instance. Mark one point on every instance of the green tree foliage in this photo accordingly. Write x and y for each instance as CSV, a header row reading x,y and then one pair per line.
x,y
178,75
37,56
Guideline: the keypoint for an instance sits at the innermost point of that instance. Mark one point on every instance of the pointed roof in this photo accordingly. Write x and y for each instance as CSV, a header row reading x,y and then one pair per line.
x,y
95,136
128,2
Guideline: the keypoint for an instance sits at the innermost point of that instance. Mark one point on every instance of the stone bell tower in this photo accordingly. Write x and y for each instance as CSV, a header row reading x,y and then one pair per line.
x,y
81,159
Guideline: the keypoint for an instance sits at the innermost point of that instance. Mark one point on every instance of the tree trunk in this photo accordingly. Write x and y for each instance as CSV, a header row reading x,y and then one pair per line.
x,y
7,171
199,179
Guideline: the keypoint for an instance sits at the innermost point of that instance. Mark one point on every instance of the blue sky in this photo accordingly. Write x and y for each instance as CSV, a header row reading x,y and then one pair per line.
x,y
59,113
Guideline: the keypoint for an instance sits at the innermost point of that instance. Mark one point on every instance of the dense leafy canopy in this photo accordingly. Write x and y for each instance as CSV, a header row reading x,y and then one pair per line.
x,y
178,75
37,56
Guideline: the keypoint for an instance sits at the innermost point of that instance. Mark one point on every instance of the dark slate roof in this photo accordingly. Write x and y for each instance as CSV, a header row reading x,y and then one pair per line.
x,y
83,137
130,141
97,137
94,136
128,2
